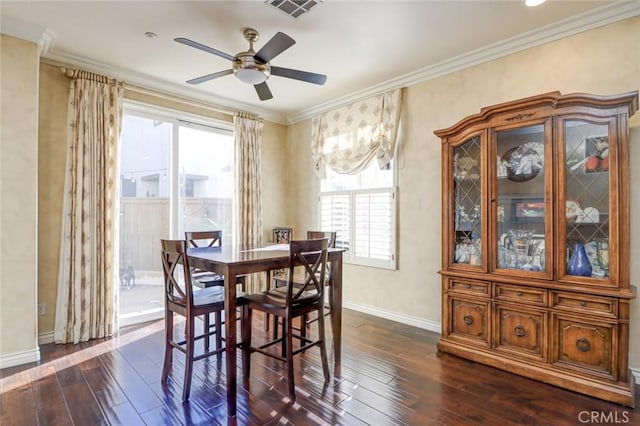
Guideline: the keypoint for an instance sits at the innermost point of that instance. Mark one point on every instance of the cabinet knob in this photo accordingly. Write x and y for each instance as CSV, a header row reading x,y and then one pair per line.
x,y
583,303
519,330
467,285
468,319
519,294
583,345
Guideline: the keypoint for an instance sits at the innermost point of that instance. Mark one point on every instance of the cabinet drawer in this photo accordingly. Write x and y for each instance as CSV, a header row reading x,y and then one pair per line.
x,y
476,288
469,320
586,304
518,294
585,345
521,331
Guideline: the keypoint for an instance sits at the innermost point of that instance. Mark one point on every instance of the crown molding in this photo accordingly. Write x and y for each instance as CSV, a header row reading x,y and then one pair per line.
x,y
43,37
580,23
163,87
586,21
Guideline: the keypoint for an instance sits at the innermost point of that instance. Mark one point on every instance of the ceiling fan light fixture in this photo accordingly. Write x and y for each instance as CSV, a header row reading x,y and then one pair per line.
x,y
255,68
251,76
248,70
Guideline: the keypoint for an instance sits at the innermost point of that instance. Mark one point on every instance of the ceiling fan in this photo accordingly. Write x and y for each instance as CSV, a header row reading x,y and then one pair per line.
x,y
254,68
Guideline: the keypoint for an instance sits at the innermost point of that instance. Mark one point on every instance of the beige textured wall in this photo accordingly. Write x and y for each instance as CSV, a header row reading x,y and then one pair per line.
x,y
52,158
275,183
54,93
601,61
303,184
18,196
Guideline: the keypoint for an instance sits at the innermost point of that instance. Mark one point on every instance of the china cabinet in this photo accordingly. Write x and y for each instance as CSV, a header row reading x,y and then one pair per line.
x,y
535,247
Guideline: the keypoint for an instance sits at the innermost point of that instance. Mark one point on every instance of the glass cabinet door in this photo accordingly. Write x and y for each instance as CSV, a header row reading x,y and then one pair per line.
x,y
585,226
522,213
467,208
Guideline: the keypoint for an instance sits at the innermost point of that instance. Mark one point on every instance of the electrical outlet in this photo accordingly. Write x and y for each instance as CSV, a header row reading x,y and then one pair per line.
x,y
42,309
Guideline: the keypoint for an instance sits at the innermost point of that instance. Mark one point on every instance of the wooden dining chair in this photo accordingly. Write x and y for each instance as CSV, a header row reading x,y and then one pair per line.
x,y
210,279
208,239
281,235
331,235
183,299
279,282
292,301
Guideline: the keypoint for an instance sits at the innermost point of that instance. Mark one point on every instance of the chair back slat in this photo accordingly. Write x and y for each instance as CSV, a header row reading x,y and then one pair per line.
x,y
315,235
282,234
331,235
312,256
197,238
174,254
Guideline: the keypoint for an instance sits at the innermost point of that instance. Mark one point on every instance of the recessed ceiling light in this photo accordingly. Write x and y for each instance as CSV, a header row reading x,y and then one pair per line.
x,y
151,34
532,3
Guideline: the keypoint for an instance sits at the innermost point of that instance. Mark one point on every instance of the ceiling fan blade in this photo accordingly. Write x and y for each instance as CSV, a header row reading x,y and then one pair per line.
x,y
278,44
309,77
197,45
263,91
209,77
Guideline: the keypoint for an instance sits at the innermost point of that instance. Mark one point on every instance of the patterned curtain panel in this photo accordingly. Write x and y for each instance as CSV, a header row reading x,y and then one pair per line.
x,y
248,199
86,307
348,139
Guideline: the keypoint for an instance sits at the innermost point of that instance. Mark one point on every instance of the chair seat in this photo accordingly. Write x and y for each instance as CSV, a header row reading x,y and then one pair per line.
x,y
275,299
207,279
208,296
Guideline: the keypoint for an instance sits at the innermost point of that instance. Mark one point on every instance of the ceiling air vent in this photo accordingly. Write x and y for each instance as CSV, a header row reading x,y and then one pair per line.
x,y
293,8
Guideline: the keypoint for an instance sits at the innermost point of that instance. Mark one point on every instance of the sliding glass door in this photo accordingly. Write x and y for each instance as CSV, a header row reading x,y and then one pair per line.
x,y
176,175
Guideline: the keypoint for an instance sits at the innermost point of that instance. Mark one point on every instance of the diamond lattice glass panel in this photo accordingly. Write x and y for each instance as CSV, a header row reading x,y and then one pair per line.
x,y
467,188
521,211
587,203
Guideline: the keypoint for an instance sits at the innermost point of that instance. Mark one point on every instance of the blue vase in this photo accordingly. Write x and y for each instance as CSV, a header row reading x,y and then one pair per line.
x,y
579,263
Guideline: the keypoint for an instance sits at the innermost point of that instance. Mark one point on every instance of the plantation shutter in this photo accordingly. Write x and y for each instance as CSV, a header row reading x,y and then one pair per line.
x,y
335,215
374,215
371,215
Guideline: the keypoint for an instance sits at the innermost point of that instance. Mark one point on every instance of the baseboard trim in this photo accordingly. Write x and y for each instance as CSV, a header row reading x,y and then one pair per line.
x,y
434,326
19,358
45,338
636,374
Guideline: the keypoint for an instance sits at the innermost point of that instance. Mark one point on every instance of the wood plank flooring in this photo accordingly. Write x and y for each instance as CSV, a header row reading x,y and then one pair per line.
x,y
390,375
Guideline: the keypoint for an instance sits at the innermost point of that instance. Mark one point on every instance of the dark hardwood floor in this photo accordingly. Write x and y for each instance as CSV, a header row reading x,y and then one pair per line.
x,y
390,375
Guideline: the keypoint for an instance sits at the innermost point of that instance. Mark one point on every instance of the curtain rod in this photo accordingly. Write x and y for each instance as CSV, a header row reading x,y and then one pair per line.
x,y
65,69
176,98
75,73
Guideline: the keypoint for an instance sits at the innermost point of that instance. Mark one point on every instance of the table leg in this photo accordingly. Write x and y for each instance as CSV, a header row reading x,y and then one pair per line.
x,y
230,279
267,317
336,311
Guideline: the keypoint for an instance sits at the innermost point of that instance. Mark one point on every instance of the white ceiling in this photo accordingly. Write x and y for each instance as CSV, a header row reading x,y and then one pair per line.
x,y
362,46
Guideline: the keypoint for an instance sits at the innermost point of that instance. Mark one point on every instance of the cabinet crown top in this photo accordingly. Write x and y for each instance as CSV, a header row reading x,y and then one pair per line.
x,y
521,108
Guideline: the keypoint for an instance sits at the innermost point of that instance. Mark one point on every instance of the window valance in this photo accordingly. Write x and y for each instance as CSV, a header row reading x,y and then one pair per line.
x,y
348,139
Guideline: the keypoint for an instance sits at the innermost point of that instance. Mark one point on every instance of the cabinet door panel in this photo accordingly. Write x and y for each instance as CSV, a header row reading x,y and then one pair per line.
x,y
470,320
588,191
524,210
466,176
585,345
521,331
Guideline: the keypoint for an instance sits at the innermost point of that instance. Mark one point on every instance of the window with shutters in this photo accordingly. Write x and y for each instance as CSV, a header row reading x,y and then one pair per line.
x,y
361,209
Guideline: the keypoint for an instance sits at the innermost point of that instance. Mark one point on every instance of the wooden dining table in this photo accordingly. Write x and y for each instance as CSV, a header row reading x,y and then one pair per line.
x,y
232,261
